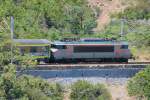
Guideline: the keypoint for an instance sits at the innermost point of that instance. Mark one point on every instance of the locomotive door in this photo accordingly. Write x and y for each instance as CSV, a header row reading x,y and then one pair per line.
x,y
69,52
117,51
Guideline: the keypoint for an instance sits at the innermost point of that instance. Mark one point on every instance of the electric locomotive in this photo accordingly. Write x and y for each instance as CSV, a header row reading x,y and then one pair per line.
x,y
90,49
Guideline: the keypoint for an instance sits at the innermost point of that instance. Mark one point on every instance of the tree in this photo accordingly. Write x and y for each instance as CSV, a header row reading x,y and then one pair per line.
x,y
80,18
35,18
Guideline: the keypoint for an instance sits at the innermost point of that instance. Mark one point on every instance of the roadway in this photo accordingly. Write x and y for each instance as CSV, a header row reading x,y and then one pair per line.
x,y
77,73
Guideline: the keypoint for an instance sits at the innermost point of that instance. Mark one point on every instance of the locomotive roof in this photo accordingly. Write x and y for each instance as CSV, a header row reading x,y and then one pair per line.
x,y
91,43
33,42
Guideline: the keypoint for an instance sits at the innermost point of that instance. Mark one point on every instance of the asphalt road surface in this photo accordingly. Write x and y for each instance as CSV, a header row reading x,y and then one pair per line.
x,y
77,73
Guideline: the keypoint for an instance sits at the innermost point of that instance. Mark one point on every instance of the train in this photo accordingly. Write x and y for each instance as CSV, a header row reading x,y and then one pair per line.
x,y
90,49
75,50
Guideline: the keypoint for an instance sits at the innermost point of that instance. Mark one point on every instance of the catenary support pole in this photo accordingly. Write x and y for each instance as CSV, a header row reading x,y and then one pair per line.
x,y
12,32
122,28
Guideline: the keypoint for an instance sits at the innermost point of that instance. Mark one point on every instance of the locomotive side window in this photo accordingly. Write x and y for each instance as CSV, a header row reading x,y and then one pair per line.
x,y
53,46
94,49
124,46
61,46
58,46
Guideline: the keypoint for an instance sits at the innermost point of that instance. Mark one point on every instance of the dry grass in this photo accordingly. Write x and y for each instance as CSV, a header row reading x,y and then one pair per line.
x,y
141,54
119,92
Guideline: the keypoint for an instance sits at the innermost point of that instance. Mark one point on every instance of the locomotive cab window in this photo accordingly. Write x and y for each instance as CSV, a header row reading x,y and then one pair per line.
x,y
124,46
53,45
58,46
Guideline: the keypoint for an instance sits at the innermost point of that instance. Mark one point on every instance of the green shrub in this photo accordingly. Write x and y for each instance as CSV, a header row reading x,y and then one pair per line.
x,y
83,90
139,85
39,88
27,87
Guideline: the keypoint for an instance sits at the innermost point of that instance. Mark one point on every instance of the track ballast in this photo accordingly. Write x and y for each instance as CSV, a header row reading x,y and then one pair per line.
x,y
92,65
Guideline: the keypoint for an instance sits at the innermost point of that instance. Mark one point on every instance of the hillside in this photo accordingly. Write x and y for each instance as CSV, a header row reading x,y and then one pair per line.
x,y
107,7
111,7
67,16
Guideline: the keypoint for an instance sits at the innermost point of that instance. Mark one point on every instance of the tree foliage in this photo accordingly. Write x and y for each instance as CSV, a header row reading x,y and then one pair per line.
x,y
26,87
14,85
140,9
139,85
38,18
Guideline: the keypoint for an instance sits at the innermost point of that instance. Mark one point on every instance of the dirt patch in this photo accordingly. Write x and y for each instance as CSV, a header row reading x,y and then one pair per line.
x,y
107,7
119,92
67,94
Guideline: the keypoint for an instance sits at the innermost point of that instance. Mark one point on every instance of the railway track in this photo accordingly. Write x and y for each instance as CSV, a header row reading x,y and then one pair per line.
x,y
92,65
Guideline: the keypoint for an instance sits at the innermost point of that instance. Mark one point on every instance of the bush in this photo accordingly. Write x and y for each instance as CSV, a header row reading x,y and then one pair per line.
x,y
83,90
139,85
38,88
27,87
